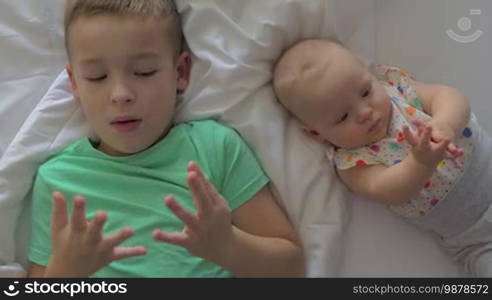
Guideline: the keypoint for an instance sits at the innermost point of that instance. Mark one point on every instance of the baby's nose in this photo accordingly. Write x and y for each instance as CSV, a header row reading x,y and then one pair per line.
x,y
365,114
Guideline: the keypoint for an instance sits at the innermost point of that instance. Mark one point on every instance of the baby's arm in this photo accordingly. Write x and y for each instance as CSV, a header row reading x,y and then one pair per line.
x,y
399,183
448,107
256,239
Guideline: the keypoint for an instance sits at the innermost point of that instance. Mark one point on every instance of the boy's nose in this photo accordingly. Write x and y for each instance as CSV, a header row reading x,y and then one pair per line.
x,y
122,94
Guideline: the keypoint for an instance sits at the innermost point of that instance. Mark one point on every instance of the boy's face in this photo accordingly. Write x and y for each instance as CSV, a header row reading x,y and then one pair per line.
x,y
126,74
348,107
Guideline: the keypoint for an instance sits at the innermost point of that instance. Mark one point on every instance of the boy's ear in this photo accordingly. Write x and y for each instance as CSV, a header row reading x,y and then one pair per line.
x,y
73,84
183,71
313,134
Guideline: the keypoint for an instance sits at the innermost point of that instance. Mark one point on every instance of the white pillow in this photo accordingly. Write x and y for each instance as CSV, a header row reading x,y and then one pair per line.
x,y
31,58
236,43
55,122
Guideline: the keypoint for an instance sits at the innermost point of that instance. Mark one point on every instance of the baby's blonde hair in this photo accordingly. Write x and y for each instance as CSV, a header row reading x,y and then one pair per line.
x,y
75,9
292,66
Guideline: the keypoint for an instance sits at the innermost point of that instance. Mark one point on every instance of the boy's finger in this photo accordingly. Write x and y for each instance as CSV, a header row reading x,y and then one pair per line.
x,y
210,190
125,252
204,183
96,226
199,193
216,197
59,211
182,213
79,221
115,239
175,238
193,166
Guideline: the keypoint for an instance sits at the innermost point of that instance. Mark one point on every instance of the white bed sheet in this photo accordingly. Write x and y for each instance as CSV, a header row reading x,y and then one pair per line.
x,y
31,56
339,241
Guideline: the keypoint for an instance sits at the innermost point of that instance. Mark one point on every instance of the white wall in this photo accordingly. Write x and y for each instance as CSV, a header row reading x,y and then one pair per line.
x,y
412,34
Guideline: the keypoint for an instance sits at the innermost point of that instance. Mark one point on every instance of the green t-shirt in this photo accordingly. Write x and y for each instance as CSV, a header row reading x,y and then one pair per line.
x,y
131,190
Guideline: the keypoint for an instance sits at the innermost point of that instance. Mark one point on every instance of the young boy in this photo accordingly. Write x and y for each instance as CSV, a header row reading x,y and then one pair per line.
x,y
433,175
126,66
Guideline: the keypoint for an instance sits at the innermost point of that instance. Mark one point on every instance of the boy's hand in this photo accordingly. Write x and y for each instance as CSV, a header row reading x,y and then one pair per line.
x,y
208,232
425,151
441,132
79,247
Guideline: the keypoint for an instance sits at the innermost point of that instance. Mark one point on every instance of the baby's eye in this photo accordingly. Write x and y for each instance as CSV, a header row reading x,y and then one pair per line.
x,y
366,93
343,118
146,74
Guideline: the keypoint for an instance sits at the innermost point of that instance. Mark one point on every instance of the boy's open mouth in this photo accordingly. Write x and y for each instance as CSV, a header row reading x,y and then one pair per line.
x,y
126,124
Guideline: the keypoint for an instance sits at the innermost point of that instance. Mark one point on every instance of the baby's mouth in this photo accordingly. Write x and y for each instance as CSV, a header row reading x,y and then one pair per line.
x,y
375,126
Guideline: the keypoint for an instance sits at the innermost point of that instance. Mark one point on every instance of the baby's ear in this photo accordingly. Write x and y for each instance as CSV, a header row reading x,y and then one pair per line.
x,y
313,134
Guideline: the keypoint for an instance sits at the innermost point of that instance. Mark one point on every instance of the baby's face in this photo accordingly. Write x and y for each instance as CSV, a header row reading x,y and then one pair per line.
x,y
125,73
349,107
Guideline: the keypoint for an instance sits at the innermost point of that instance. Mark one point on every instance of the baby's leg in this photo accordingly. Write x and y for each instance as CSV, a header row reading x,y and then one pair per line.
x,y
478,256
473,248
478,262
483,264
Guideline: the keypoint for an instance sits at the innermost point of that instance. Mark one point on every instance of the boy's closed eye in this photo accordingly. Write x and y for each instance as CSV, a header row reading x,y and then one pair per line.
x,y
140,74
146,74
97,78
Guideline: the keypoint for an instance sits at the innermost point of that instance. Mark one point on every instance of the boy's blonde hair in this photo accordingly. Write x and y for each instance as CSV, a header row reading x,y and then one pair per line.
x,y
75,9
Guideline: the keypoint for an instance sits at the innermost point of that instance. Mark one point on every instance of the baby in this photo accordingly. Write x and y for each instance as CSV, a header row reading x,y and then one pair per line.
x,y
411,145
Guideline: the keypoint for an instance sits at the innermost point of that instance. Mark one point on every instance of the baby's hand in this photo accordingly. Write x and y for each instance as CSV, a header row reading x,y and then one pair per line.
x,y
425,151
79,247
208,232
441,132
